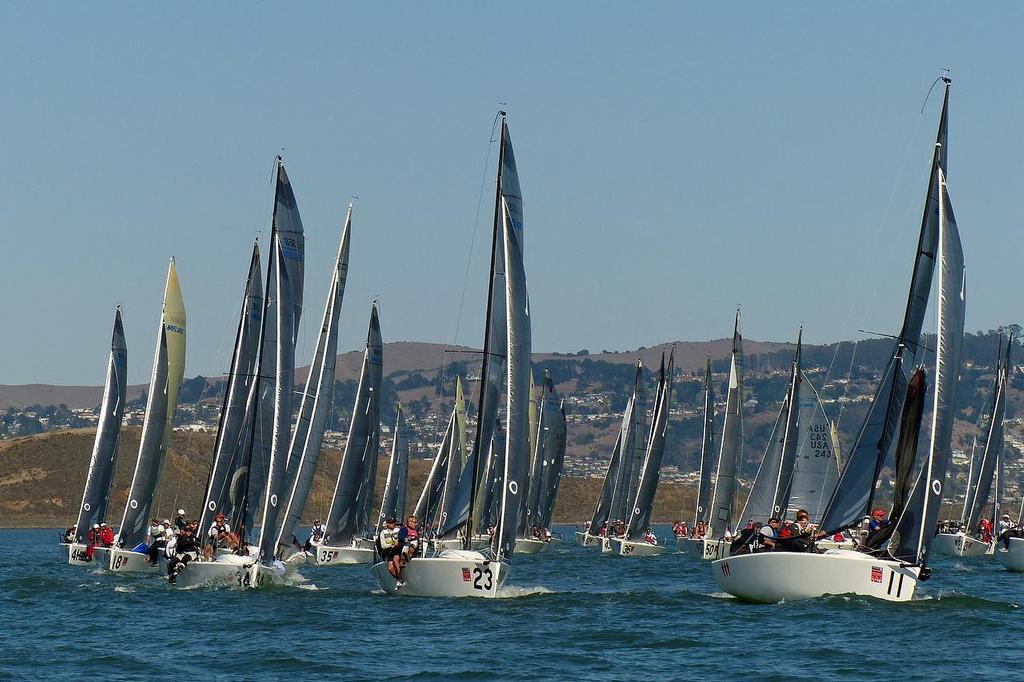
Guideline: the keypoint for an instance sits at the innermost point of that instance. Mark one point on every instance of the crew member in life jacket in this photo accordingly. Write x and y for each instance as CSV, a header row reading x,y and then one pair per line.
x,y
91,540
180,521
316,535
70,535
409,543
219,535
106,535
387,545
180,551
650,538
157,545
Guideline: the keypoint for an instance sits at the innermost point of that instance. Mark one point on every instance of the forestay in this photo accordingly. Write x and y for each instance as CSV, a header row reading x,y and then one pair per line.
x,y
855,491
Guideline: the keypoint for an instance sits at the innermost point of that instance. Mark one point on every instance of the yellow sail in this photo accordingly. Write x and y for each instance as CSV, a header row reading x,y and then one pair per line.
x,y
173,320
460,416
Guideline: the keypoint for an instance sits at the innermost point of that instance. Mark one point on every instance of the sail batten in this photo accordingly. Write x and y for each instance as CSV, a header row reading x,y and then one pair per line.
x,y
730,452
643,503
703,504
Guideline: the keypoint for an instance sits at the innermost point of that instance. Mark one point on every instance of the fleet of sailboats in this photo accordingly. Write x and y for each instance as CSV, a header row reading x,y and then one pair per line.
x,y
491,495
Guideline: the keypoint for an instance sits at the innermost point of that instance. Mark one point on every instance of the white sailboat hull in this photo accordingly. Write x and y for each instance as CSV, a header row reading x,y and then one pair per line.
x,y
703,548
772,577
326,555
961,545
229,570
1013,558
606,546
623,547
587,540
78,557
530,546
453,573
127,561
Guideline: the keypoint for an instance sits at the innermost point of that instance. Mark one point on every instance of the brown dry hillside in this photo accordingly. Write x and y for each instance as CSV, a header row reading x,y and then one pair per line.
x,y
400,357
41,479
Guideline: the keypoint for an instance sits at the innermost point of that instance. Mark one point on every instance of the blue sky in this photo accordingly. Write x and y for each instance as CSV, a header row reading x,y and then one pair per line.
x,y
676,160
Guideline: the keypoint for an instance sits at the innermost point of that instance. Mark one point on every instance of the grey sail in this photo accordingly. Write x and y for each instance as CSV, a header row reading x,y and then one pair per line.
x,y
629,466
96,495
343,517
496,476
905,461
528,510
816,470
731,449
288,249
450,505
915,530
551,475
978,494
517,390
317,398
222,494
494,373
392,504
550,455
604,502
640,515
367,489
429,502
769,495
703,506
854,493
147,466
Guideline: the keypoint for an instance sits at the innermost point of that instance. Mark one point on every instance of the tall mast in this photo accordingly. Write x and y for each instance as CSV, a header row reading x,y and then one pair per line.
x,y
477,441
258,365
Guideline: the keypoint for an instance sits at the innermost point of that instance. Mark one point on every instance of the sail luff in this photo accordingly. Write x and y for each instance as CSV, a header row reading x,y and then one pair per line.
x,y
791,438
855,491
707,446
392,504
731,449
433,488
517,391
316,406
289,251
978,495
96,494
640,515
168,368
342,519
228,447
553,472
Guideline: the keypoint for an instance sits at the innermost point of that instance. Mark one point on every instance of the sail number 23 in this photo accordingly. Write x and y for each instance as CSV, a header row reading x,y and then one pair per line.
x,y
482,578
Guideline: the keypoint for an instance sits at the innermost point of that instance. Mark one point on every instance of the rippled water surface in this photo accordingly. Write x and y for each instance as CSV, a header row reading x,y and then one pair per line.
x,y
570,613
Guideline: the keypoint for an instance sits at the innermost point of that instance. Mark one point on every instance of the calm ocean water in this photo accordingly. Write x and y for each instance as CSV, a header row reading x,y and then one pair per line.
x,y
570,613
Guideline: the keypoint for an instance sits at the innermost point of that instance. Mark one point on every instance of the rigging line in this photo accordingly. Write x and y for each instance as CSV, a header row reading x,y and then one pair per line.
x,y
476,225
878,231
